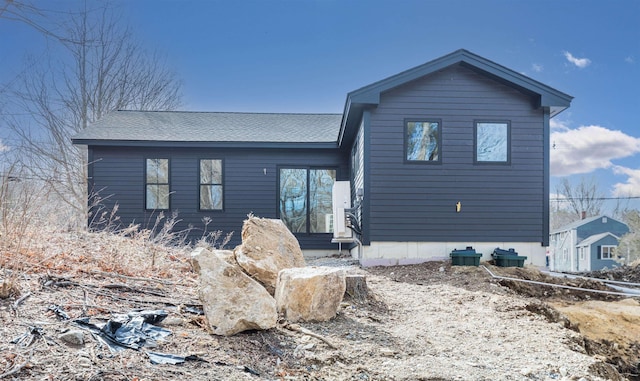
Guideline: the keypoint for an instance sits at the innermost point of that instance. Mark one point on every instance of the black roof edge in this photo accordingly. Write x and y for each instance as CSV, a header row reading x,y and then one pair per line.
x,y
368,96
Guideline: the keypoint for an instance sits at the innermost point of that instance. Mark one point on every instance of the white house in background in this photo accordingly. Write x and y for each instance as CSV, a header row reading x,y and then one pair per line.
x,y
586,245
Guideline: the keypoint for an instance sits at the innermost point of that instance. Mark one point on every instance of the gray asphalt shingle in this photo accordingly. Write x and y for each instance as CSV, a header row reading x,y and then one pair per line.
x,y
186,126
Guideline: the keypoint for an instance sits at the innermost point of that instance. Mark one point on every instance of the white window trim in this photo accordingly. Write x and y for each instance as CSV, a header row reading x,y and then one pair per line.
x,y
610,252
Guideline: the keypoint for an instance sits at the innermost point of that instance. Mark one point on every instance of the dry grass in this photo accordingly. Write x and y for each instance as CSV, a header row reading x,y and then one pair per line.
x,y
35,237
85,252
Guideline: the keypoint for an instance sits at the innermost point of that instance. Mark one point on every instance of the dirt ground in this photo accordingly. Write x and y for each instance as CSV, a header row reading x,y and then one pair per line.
x,y
422,322
609,324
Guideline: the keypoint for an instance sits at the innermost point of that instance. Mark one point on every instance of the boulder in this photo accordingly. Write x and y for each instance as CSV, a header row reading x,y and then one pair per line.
x,y
267,247
232,301
200,253
310,293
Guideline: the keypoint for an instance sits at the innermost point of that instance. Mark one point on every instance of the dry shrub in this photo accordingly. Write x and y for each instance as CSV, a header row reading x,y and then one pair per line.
x,y
37,234
213,239
90,252
9,288
19,214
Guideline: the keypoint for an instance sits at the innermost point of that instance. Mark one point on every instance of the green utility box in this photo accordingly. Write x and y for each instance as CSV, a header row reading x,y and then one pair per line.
x,y
499,251
509,260
467,257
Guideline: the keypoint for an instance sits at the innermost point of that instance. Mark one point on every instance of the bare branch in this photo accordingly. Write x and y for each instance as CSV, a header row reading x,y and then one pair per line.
x,y
584,197
99,68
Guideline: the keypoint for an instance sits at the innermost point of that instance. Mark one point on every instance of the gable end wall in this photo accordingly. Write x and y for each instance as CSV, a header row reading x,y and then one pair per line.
x,y
416,202
598,226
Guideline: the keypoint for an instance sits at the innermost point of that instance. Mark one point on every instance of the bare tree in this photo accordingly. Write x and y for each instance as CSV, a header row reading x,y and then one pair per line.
x,y
560,217
628,250
584,197
31,13
101,68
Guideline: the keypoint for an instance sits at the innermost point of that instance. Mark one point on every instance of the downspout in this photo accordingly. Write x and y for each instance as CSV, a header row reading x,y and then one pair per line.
x,y
546,160
365,211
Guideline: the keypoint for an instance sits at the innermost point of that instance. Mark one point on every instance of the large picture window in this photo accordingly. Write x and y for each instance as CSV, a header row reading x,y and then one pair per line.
x,y
492,142
305,202
157,184
423,140
211,192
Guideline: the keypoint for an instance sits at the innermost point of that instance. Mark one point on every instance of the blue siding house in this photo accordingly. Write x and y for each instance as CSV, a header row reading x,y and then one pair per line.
x,y
448,154
586,245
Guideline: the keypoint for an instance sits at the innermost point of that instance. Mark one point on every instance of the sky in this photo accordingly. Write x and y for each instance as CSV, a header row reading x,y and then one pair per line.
x,y
306,55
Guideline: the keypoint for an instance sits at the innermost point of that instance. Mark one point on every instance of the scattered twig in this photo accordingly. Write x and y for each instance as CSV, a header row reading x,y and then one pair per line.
x,y
297,328
133,289
95,290
21,299
136,278
57,281
173,302
85,303
95,307
17,368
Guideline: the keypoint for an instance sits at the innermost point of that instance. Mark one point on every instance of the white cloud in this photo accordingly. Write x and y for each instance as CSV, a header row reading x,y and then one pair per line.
x,y
587,148
3,147
537,67
558,124
629,59
579,62
631,188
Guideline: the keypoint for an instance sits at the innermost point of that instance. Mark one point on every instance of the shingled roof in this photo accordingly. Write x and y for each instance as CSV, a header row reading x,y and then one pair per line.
x,y
210,128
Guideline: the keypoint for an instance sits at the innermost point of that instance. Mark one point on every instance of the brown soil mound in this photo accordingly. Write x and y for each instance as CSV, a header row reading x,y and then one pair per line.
x,y
569,291
621,273
610,329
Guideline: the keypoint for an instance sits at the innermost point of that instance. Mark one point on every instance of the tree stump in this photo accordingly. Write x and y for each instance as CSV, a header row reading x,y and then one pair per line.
x,y
357,289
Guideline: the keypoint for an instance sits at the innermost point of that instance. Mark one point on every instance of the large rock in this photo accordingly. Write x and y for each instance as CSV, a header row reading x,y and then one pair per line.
x,y
232,301
310,293
267,247
201,254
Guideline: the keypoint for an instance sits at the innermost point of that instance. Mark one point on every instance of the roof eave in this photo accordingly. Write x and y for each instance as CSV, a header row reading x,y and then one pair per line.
x,y
350,120
203,144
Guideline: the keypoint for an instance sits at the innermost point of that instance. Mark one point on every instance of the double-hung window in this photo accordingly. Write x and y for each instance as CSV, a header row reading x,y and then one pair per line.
x,y
305,202
607,252
211,191
157,184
